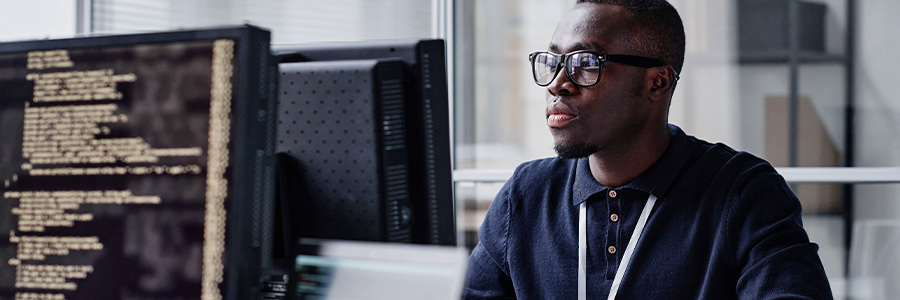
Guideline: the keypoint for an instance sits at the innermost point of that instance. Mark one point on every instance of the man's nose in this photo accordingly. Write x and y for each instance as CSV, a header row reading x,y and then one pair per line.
x,y
561,85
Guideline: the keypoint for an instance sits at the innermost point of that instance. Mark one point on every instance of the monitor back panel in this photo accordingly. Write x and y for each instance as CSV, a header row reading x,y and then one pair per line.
x,y
428,119
343,171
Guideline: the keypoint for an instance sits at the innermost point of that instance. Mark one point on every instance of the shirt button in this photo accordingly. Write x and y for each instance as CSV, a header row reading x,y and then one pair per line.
x,y
614,217
611,249
612,193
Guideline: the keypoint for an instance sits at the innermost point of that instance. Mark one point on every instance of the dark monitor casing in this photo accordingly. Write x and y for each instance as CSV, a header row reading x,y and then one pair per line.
x,y
427,123
342,151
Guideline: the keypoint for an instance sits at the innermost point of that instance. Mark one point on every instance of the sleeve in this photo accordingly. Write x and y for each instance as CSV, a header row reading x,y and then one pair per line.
x,y
487,276
773,251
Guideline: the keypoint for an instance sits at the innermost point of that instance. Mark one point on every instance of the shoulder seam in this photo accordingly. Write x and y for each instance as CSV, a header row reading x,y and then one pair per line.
x,y
509,204
737,185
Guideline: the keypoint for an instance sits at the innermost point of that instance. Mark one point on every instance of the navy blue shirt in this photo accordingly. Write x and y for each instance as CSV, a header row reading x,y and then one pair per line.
x,y
725,226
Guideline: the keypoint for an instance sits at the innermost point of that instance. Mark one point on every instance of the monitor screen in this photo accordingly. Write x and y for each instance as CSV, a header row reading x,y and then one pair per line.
x,y
136,166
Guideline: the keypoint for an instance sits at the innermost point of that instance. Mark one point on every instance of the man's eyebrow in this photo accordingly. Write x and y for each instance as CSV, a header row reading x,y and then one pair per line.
x,y
578,46
553,48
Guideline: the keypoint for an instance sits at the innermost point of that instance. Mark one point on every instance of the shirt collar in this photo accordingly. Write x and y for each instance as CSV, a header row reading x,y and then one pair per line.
x,y
655,180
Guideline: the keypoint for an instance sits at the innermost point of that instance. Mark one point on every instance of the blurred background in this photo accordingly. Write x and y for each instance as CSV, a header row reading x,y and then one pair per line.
x,y
804,84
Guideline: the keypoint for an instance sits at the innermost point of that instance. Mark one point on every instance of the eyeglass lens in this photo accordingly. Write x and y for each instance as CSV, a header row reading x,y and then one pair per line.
x,y
545,66
582,68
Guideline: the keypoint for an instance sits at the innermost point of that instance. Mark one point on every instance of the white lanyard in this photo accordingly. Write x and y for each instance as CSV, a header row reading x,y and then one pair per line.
x,y
626,257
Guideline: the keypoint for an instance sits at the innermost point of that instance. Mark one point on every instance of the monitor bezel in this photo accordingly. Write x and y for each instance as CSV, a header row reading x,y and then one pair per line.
x,y
250,171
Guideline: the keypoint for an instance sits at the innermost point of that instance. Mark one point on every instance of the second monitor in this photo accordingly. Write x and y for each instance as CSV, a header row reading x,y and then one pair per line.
x,y
410,172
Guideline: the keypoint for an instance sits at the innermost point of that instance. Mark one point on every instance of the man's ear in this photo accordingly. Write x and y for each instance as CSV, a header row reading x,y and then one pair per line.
x,y
662,81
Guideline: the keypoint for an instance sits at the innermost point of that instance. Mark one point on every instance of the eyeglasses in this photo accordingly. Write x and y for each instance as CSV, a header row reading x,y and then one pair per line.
x,y
582,67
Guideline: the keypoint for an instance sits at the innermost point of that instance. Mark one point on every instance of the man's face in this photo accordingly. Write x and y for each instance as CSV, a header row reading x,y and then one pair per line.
x,y
605,116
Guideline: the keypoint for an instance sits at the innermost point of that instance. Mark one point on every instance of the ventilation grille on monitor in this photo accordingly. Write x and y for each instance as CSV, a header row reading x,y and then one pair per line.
x,y
396,174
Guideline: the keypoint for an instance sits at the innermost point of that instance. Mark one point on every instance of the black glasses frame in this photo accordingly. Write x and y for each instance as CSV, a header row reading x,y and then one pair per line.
x,y
563,59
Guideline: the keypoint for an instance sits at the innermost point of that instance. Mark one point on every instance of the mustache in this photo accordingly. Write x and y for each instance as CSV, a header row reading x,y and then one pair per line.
x,y
559,105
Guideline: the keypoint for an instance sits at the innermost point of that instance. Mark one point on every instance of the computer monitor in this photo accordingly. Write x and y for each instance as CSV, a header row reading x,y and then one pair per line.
x,y
137,166
318,84
343,164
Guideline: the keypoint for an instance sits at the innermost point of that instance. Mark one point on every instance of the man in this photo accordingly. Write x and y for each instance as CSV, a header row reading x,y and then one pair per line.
x,y
633,207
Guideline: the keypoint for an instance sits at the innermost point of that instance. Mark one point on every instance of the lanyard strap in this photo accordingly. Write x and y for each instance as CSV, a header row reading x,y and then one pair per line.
x,y
582,251
626,257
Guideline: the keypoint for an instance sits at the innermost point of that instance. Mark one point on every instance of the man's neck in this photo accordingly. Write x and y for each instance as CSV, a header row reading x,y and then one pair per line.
x,y
619,166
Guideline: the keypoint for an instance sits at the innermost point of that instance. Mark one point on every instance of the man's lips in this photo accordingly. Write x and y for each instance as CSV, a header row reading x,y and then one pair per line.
x,y
559,119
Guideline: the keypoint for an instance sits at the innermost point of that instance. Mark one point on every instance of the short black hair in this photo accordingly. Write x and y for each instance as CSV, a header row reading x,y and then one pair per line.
x,y
656,29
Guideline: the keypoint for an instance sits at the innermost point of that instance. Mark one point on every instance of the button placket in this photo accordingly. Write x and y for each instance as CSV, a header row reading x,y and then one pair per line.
x,y
612,234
